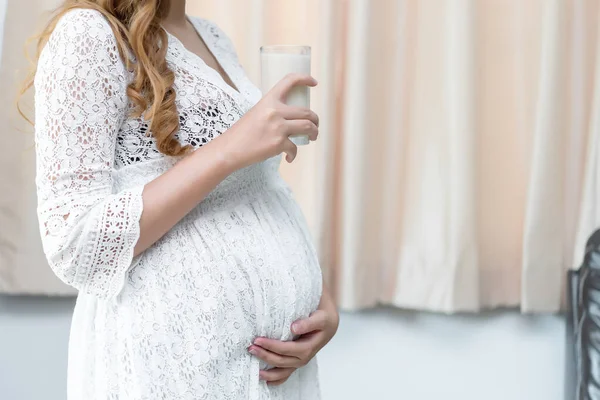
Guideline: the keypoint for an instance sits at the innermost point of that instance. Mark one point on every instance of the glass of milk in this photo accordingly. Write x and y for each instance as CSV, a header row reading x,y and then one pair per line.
x,y
276,63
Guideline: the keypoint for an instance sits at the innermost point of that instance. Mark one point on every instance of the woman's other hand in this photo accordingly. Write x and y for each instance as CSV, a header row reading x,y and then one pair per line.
x,y
314,333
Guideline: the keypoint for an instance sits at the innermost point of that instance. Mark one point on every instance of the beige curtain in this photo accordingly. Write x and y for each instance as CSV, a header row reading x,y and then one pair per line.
x,y
458,161
23,267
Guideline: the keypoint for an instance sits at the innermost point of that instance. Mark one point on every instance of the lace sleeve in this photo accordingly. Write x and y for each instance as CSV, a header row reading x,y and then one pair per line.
x,y
88,231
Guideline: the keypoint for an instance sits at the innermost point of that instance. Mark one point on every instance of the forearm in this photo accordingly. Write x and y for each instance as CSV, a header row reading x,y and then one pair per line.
x,y
168,198
261,133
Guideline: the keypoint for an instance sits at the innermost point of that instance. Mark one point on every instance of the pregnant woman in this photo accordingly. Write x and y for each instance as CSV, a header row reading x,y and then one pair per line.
x,y
160,201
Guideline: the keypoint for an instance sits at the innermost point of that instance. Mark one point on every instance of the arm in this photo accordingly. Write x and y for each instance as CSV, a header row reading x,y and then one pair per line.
x,y
88,231
91,233
168,198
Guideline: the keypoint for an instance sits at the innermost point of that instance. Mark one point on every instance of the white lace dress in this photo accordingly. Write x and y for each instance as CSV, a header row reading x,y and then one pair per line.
x,y
174,322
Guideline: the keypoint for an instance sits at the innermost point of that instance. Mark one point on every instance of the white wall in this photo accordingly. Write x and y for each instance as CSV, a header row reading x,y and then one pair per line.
x,y
379,355
33,347
390,354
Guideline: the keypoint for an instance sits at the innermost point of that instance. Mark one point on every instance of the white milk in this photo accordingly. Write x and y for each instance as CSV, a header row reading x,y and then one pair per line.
x,y
276,64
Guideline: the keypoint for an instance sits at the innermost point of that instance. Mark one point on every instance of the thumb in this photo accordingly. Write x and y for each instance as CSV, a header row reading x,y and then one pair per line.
x,y
315,322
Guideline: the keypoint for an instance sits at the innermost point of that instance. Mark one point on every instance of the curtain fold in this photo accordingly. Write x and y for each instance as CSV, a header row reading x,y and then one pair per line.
x,y
543,251
589,217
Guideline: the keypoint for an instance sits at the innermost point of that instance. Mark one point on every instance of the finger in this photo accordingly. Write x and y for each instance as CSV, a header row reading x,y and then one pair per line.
x,y
316,322
275,360
292,349
291,113
276,375
291,150
303,127
290,81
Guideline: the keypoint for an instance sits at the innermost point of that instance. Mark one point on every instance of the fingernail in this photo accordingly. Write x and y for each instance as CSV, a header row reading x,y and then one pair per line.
x,y
258,341
295,327
261,375
252,351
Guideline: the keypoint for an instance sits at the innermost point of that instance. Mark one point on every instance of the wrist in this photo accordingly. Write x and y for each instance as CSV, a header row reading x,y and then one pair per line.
x,y
228,151
226,157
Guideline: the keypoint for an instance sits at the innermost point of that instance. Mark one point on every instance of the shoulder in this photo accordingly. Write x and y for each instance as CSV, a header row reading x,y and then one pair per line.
x,y
83,22
81,40
84,34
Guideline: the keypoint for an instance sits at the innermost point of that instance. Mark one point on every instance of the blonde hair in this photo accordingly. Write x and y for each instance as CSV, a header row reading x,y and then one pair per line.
x,y
137,27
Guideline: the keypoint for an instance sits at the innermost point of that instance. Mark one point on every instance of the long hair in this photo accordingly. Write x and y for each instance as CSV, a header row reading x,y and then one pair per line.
x,y
136,25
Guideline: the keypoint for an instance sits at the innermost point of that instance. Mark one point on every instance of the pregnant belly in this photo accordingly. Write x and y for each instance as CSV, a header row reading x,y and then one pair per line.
x,y
231,276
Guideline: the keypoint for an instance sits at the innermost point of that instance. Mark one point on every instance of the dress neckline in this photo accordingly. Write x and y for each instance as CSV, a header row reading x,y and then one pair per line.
x,y
212,74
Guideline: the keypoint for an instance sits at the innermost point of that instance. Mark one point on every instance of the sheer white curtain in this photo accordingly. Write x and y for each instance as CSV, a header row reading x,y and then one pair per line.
x,y
458,161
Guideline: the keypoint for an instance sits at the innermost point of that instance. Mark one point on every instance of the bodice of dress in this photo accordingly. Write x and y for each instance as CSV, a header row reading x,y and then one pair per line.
x,y
206,103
